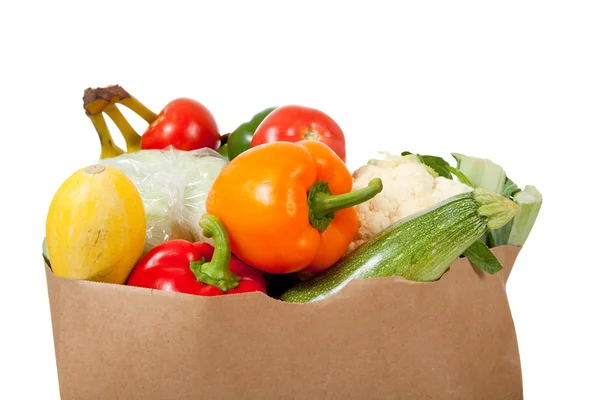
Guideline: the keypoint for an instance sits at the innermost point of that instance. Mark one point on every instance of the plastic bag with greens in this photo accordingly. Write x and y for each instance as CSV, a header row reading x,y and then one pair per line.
x,y
173,185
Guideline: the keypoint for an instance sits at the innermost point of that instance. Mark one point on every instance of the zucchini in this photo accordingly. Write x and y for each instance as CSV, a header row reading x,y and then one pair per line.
x,y
420,247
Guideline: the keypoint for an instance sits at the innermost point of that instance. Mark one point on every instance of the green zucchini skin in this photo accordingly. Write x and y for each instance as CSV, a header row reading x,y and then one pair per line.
x,y
420,247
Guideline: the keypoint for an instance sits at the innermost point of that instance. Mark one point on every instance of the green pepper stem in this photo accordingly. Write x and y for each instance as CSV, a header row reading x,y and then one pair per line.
x,y
325,203
217,271
322,204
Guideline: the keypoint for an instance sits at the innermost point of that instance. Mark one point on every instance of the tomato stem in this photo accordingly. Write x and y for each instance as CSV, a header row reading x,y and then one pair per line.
x,y
311,135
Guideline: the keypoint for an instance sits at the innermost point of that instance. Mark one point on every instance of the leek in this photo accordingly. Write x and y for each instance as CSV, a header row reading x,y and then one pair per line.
x,y
481,172
529,201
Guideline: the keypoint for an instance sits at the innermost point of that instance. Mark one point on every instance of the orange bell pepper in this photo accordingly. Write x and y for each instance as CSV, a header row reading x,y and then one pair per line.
x,y
288,206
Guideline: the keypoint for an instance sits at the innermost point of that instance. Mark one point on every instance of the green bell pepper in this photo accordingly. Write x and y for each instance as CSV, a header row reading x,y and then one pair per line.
x,y
224,147
240,139
224,151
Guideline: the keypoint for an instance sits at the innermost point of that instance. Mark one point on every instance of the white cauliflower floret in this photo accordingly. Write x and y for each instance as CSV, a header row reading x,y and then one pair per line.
x,y
408,187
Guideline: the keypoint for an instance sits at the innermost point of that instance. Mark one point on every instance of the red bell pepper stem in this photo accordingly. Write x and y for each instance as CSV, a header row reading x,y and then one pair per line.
x,y
217,271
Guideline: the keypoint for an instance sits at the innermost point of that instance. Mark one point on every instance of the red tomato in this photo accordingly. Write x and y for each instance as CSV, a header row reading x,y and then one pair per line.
x,y
294,123
184,123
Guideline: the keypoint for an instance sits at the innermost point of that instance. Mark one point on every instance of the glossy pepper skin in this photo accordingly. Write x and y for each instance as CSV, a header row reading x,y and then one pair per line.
x,y
240,139
276,202
197,268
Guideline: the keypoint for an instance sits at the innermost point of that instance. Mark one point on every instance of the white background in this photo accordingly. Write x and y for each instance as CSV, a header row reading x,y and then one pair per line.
x,y
514,81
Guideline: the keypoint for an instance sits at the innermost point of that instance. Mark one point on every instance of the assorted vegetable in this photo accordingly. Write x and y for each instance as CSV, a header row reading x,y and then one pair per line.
x,y
287,207
173,185
224,147
481,172
409,186
485,173
96,225
184,124
270,207
295,123
418,248
530,202
241,138
197,268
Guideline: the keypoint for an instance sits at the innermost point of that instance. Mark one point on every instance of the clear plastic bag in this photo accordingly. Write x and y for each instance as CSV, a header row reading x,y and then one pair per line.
x,y
173,185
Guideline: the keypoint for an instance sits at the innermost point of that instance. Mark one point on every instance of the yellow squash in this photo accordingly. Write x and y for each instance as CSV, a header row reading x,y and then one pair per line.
x,y
96,226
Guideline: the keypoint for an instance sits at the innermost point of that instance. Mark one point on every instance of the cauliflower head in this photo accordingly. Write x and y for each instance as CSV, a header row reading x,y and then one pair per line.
x,y
409,186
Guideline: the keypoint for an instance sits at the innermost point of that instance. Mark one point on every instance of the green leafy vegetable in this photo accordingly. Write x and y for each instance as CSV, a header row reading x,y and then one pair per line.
x,y
499,237
482,257
461,177
438,164
529,201
510,188
173,185
481,172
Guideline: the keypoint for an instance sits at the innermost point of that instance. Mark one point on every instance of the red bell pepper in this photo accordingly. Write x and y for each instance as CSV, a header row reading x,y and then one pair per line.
x,y
197,268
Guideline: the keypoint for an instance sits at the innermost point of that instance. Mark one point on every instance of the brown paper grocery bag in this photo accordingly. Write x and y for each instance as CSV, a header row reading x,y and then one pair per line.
x,y
383,338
